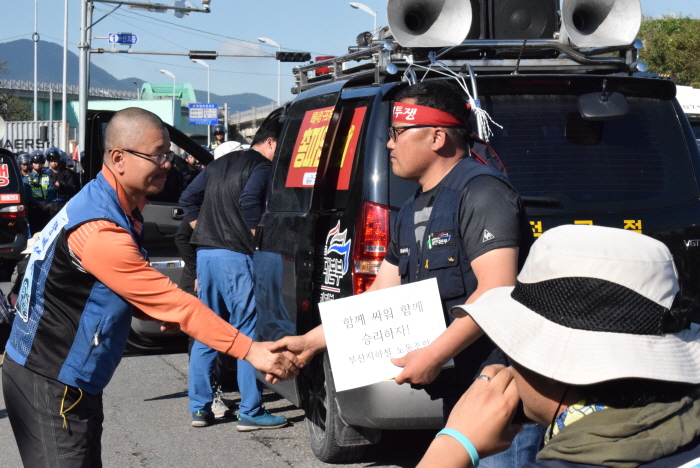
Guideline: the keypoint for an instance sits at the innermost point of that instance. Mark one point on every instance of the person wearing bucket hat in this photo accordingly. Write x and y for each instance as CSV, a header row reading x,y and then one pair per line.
x,y
603,352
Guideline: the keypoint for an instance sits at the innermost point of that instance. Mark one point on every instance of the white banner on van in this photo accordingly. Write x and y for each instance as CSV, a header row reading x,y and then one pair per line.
x,y
364,332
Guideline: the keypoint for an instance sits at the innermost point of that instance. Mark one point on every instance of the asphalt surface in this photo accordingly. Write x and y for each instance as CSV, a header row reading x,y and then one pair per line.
x,y
147,425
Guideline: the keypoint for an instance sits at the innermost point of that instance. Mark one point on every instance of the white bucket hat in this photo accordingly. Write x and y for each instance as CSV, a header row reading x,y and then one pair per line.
x,y
592,304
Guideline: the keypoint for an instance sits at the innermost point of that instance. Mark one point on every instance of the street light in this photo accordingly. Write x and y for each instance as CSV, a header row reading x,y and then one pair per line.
x,y
205,64
138,91
366,9
35,38
166,72
265,40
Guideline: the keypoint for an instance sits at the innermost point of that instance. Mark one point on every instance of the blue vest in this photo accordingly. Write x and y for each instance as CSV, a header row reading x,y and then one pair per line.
x,y
91,338
448,262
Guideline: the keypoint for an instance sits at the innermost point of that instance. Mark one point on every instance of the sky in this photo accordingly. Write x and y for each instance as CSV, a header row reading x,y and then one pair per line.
x,y
322,27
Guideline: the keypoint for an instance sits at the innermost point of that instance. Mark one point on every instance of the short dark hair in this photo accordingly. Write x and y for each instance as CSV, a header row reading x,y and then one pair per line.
x,y
271,128
444,96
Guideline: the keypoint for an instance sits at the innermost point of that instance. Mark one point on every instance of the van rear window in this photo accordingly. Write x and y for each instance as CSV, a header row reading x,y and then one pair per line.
x,y
639,161
298,154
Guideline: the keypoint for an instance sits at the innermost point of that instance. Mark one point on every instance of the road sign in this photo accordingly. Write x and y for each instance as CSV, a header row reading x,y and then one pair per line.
x,y
204,114
123,38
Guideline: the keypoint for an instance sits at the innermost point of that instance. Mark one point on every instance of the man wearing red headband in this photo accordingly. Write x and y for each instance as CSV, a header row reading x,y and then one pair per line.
x,y
466,226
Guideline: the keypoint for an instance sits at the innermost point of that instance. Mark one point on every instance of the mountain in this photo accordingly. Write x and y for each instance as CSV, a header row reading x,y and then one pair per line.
x,y
19,56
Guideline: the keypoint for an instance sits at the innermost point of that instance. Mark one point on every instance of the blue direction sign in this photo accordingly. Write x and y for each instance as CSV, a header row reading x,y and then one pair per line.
x,y
204,114
123,38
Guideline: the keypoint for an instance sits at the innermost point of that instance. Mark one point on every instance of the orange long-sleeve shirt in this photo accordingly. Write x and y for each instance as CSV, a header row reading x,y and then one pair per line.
x,y
109,253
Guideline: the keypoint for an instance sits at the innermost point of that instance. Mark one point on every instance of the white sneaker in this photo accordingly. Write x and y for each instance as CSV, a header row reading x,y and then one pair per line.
x,y
218,407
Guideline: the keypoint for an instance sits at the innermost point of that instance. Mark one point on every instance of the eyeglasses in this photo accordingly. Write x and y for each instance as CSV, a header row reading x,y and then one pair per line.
x,y
158,159
394,132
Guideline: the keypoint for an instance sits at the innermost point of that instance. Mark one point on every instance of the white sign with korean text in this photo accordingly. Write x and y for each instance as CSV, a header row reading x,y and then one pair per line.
x,y
364,332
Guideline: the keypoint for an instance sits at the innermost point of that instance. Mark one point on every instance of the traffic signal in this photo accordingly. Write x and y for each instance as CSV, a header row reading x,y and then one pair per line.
x,y
293,56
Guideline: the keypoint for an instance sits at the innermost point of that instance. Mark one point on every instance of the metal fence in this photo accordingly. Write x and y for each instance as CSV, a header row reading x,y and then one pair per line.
x,y
71,89
252,115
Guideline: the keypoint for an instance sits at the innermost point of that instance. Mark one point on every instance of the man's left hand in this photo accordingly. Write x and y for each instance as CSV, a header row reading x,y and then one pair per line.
x,y
419,367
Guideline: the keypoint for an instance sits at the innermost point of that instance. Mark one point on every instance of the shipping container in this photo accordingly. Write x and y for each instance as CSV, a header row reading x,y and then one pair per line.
x,y
29,135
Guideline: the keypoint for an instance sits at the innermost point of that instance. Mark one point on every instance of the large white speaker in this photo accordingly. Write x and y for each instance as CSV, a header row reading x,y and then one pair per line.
x,y
429,23
600,23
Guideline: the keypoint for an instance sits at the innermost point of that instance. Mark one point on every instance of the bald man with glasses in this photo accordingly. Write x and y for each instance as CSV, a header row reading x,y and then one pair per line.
x,y
64,348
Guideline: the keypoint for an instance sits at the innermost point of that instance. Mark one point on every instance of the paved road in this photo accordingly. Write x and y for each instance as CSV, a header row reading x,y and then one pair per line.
x,y
147,425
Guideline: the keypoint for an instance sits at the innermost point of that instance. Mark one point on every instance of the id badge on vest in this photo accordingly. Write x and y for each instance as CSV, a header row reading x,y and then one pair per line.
x,y
41,246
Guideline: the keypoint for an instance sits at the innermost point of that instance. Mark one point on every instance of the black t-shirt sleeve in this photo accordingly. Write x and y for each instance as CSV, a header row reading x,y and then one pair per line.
x,y
490,216
392,254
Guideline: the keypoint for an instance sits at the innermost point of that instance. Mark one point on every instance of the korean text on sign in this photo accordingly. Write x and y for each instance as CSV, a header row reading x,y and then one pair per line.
x,y
364,332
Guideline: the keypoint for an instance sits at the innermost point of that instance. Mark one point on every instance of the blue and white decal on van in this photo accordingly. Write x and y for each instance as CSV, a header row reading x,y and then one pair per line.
x,y
336,259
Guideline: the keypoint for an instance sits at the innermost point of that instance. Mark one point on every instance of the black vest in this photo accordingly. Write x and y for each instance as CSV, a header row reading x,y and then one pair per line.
x,y
220,223
449,264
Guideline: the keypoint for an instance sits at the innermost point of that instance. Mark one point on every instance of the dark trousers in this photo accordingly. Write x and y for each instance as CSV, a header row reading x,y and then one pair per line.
x,y
44,439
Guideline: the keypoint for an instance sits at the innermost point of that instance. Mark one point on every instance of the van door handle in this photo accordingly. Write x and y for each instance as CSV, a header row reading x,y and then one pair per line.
x,y
178,213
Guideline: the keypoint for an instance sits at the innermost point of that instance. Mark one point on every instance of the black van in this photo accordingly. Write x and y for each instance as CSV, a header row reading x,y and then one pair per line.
x,y
333,197
13,213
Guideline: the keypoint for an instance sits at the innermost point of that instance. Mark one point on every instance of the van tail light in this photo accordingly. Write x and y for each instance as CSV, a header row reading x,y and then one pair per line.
x,y
15,211
371,245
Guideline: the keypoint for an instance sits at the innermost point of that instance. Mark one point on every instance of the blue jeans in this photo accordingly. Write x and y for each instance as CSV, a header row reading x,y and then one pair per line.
x,y
225,285
523,449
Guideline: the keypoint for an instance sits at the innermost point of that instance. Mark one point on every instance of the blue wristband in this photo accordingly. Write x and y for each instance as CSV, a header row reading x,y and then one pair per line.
x,y
466,443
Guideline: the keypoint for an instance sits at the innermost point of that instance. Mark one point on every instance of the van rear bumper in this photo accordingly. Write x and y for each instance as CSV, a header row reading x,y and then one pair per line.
x,y
386,405
14,249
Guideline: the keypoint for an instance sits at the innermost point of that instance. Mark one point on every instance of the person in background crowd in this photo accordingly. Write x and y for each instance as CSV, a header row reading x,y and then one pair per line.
x,y
25,163
489,236
191,169
53,156
42,192
219,132
64,349
603,353
231,193
192,161
66,185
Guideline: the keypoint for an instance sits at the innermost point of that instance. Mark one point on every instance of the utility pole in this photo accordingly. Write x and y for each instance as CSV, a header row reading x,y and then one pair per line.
x,y
86,24
84,47
35,38
64,91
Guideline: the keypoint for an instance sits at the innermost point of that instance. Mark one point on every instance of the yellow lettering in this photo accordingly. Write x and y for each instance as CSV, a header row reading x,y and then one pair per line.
x,y
633,225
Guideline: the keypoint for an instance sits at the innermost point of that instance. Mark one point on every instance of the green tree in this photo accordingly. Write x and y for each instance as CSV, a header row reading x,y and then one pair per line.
x,y
12,107
672,46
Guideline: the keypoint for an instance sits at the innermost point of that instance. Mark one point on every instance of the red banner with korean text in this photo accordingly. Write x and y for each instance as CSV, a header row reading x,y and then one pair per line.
x,y
349,148
4,175
307,149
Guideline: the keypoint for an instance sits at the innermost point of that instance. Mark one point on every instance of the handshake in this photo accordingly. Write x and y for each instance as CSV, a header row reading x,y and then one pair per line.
x,y
283,359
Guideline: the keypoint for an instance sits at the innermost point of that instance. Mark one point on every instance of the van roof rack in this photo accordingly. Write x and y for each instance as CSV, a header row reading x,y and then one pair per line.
x,y
386,61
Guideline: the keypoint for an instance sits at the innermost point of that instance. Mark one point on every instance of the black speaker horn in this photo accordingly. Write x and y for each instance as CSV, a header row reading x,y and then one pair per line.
x,y
523,19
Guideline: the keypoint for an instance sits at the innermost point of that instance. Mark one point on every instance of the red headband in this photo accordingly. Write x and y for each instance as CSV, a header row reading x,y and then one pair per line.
x,y
421,115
